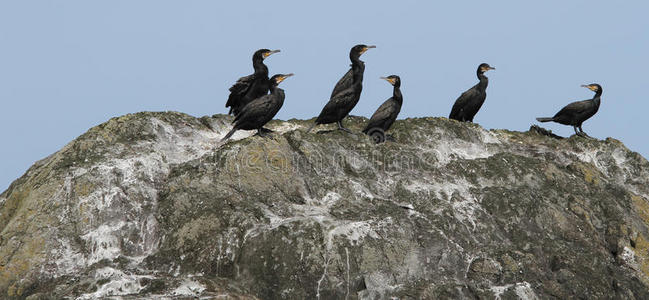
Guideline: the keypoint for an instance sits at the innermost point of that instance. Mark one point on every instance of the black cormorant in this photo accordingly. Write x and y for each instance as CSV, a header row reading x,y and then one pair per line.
x,y
385,115
261,110
576,113
468,104
252,86
347,91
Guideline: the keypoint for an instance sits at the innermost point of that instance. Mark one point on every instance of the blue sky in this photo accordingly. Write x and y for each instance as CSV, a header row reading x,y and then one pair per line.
x,y
66,66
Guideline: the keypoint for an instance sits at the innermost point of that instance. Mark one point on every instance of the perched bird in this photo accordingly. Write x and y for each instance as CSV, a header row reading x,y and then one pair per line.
x,y
574,114
387,112
346,81
261,110
468,104
252,86
347,91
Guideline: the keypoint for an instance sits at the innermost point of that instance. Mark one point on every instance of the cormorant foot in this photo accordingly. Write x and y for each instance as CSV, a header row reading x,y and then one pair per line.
x,y
262,134
345,130
584,135
266,130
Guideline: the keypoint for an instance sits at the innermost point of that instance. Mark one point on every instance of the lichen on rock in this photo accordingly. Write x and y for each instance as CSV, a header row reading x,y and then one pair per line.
x,y
153,205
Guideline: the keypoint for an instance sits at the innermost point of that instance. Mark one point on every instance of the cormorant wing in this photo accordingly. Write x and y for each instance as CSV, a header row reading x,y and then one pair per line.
x,y
336,105
239,89
341,99
256,108
575,108
344,83
384,112
462,101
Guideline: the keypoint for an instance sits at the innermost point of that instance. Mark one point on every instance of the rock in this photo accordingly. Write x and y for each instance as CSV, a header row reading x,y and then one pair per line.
x,y
152,205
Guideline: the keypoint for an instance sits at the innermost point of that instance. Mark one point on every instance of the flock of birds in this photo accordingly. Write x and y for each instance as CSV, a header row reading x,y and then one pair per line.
x,y
253,106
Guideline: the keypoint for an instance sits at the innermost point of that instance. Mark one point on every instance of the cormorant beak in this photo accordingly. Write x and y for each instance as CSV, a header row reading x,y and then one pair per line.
x,y
269,53
390,80
367,48
590,87
281,78
485,69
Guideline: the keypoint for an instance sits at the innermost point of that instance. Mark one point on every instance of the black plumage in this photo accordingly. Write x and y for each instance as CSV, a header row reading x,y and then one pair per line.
x,y
261,110
347,91
575,113
468,104
252,86
387,113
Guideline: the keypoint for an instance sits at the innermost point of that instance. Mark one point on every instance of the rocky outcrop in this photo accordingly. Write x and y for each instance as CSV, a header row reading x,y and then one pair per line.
x,y
152,205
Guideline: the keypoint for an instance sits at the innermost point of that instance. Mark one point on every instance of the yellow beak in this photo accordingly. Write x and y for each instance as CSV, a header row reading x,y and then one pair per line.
x,y
281,78
269,53
367,48
390,80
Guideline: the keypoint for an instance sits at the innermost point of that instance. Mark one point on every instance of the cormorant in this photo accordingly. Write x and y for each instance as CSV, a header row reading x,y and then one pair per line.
x,y
261,110
387,112
576,113
252,86
347,91
468,104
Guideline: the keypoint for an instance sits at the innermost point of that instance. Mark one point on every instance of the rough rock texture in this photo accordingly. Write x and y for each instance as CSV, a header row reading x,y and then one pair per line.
x,y
151,205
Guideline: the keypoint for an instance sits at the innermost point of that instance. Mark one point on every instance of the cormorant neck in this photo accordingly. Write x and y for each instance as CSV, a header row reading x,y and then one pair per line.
x,y
396,94
259,66
598,94
483,80
358,69
355,58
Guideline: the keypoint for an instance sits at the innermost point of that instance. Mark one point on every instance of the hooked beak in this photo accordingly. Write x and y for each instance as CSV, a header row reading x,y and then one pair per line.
x,y
269,53
485,69
590,87
390,80
281,78
367,48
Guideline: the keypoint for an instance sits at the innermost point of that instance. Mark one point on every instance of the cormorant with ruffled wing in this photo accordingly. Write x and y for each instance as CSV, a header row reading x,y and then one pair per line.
x,y
261,110
252,86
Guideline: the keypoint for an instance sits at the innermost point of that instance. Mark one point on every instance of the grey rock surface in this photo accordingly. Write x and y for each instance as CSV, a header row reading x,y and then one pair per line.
x,y
152,205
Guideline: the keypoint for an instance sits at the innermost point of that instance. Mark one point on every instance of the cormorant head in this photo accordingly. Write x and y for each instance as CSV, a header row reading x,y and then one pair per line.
x,y
277,78
263,53
393,80
593,87
358,50
484,67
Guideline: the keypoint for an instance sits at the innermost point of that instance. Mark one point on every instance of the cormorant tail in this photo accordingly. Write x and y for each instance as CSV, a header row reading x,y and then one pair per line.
x,y
227,136
545,119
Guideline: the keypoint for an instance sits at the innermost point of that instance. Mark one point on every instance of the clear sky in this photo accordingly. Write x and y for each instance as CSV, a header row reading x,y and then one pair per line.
x,y
66,66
